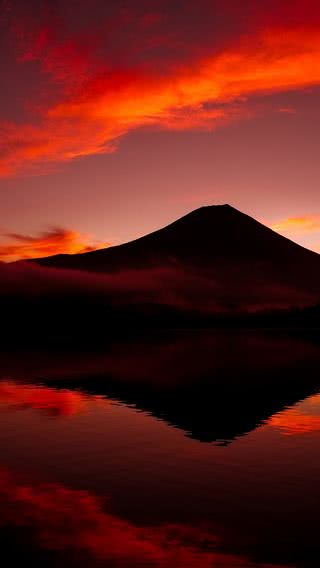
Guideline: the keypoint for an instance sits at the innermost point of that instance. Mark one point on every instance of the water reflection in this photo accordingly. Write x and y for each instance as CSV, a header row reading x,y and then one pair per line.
x,y
81,530
215,387
89,480
300,419
51,401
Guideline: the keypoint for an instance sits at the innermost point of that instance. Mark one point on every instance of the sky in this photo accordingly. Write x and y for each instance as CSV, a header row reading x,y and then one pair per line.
x,y
118,117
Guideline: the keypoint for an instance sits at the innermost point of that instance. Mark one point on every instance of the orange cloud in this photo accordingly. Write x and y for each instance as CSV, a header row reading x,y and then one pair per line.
x,y
76,527
303,224
101,106
56,241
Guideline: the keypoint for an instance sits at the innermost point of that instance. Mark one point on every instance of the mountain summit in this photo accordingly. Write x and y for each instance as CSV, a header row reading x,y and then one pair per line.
x,y
216,257
206,236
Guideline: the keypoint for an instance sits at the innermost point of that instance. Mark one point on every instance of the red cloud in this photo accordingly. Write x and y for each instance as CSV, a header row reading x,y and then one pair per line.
x,y
104,85
56,241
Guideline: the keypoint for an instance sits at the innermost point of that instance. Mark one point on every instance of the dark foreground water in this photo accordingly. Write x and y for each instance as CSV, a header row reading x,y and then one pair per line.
x,y
185,450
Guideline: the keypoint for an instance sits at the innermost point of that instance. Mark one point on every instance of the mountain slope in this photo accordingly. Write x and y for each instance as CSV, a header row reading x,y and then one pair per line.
x,y
217,257
210,233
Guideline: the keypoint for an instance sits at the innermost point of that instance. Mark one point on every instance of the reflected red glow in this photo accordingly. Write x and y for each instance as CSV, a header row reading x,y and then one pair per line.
x,y
75,523
53,402
296,421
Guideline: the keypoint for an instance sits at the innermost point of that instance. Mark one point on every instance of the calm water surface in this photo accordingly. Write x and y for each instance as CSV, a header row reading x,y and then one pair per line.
x,y
195,450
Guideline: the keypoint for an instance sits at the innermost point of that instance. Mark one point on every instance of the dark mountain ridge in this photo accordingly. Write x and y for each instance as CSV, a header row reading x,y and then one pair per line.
x,y
216,233
215,267
218,257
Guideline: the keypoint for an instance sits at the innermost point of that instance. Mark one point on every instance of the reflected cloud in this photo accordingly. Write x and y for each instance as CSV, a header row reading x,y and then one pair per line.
x,y
214,387
79,528
52,402
296,421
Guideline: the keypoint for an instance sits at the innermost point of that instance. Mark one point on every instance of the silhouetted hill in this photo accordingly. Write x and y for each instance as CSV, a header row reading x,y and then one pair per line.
x,y
213,233
221,258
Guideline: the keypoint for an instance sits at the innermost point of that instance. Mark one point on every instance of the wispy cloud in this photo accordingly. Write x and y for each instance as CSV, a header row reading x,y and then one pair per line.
x,y
56,241
92,99
297,225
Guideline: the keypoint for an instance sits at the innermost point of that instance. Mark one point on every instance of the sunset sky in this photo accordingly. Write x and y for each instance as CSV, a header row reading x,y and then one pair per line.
x,y
117,117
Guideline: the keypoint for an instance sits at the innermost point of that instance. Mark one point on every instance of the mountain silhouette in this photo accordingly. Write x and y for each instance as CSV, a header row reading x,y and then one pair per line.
x,y
223,258
206,235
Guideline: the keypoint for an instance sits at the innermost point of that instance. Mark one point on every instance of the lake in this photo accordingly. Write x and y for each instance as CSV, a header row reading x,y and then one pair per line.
x,y
185,449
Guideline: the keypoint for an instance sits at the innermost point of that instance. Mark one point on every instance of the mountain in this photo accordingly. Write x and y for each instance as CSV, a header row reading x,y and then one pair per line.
x,y
216,233
218,259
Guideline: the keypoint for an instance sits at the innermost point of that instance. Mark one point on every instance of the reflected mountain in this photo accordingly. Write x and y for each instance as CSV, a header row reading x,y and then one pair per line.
x,y
214,386
71,457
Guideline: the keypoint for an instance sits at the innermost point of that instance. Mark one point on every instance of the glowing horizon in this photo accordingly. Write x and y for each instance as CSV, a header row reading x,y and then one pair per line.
x,y
119,120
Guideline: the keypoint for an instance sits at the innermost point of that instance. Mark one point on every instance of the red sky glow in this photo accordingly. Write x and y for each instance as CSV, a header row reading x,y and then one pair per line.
x,y
118,117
